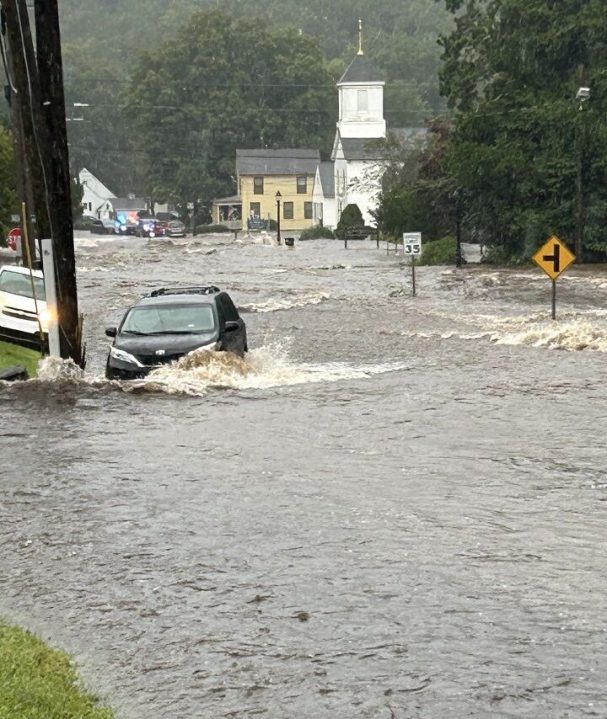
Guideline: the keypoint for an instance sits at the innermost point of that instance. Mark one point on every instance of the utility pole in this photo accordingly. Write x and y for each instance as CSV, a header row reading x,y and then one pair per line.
x,y
45,153
25,102
50,73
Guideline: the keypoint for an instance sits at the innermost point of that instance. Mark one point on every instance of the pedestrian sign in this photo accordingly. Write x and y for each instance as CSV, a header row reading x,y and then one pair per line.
x,y
554,257
412,243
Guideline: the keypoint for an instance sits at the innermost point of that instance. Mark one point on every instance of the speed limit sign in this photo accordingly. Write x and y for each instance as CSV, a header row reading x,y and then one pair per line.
x,y
412,243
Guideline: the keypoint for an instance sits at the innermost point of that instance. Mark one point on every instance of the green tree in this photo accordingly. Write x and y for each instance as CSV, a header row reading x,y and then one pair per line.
x,y
222,83
9,200
417,189
511,71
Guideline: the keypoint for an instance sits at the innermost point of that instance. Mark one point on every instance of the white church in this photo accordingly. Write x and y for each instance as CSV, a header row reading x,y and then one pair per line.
x,y
356,167
354,174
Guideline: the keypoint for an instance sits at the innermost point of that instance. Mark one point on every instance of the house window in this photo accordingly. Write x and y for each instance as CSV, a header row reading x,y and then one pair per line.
x,y
258,185
255,209
308,211
362,101
287,210
302,185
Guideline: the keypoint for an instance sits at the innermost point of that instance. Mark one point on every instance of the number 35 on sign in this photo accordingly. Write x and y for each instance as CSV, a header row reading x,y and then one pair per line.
x,y
412,243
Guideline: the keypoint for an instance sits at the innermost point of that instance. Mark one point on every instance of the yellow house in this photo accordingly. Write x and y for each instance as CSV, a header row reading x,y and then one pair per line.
x,y
263,173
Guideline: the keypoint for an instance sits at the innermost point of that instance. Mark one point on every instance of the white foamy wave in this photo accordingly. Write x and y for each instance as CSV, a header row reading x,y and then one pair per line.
x,y
276,304
55,369
572,336
263,368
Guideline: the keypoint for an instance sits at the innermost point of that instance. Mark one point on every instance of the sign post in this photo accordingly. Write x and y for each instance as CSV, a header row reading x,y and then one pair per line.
x,y
412,246
554,257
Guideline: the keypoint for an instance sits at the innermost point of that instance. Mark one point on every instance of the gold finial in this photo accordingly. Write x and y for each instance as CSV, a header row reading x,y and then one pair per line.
x,y
360,37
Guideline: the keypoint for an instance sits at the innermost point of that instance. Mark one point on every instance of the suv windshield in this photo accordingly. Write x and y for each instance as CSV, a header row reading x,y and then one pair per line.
x,y
17,283
169,319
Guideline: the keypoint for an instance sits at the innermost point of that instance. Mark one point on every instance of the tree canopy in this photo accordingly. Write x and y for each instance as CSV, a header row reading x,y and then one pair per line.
x,y
526,158
103,40
223,83
522,140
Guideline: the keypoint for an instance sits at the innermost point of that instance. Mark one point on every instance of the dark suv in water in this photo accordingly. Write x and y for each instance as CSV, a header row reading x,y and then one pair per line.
x,y
168,324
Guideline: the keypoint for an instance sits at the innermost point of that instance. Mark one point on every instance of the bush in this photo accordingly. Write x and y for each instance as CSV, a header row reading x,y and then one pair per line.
x,y
439,252
350,217
316,233
207,229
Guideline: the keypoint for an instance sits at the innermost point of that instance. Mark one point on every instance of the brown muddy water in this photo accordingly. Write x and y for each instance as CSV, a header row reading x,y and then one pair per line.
x,y
395,507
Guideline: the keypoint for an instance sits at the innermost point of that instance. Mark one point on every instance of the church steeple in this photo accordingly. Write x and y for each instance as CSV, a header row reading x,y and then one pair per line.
x,y
361,97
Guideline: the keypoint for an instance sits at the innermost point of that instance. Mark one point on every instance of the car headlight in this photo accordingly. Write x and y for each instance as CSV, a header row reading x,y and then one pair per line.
x,y
47,316
124,356
123,228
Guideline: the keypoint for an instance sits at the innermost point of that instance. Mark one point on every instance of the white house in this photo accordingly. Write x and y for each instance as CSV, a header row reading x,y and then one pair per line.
x,y
96,196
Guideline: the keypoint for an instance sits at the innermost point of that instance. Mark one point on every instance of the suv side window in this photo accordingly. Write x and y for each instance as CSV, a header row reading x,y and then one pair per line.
x,y
227,308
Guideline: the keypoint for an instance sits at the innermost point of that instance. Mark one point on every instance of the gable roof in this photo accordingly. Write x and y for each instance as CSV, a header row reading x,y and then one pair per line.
x,y
326,172
360,70
277,162
85,176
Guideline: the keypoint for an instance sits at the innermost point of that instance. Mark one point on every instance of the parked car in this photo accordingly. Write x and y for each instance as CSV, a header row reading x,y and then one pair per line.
x,y
167,216
161,228
170,323
19,311
151,227
102,227
176,228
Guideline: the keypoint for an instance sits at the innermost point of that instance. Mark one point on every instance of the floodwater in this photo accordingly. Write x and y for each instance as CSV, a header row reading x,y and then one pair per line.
x,y
395,507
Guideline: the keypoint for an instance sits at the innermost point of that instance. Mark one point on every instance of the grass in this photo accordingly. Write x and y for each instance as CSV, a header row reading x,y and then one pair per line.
x,y
11,354
37,682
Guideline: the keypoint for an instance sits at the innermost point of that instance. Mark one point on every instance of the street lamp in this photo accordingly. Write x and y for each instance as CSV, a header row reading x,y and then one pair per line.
x,y
278,198
582,95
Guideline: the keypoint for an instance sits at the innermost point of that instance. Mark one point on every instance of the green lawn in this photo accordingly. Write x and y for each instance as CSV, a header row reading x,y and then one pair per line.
x,y
37,682
11,354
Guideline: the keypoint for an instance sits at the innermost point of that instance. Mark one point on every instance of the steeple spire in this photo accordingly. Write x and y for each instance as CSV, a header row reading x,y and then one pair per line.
x,y
360,37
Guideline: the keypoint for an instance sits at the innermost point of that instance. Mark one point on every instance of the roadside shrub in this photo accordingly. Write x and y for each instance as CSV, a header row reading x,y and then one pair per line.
x,y
350,217
207,229
439,252
316,233
501,257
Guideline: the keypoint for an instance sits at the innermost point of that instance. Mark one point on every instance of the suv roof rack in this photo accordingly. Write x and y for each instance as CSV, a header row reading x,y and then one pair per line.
x,y
208,290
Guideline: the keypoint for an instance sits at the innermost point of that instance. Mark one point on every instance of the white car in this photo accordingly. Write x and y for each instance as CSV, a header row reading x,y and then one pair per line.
x,y
18,317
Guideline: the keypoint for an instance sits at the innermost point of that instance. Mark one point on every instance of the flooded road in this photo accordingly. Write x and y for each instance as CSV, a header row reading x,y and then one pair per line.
x,y
394,508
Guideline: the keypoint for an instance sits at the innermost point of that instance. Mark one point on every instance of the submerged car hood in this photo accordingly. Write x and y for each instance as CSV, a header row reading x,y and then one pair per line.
x,y
171,344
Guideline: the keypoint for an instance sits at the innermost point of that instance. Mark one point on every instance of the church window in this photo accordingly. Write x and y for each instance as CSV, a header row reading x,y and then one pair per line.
x,y
362,101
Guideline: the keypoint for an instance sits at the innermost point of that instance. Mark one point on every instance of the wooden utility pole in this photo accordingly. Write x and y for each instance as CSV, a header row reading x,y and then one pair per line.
x,y
50,73
39,84
25,103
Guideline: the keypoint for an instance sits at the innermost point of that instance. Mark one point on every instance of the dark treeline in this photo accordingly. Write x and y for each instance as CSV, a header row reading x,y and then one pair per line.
x,y
160,77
